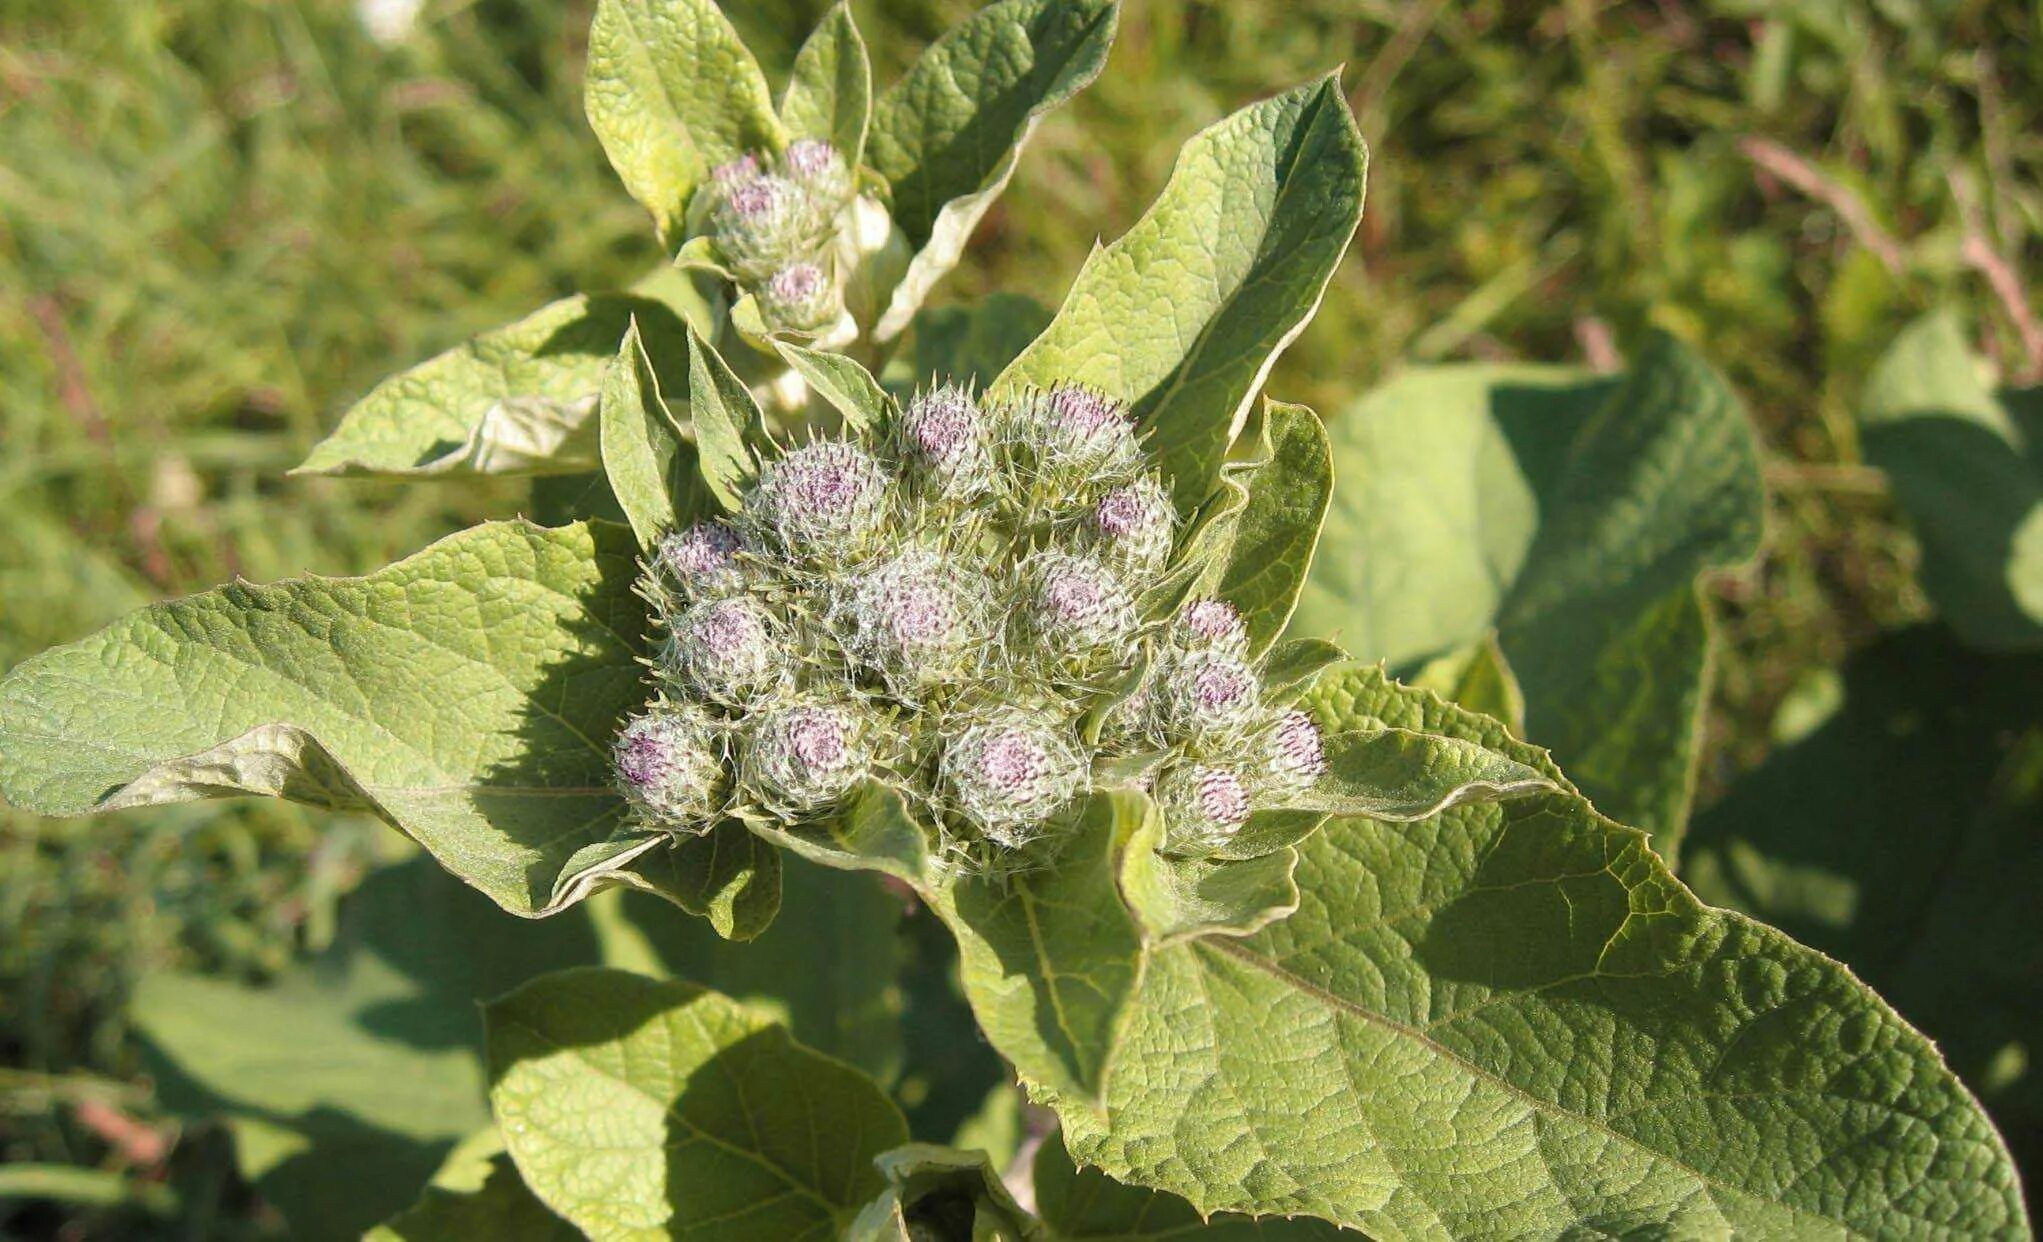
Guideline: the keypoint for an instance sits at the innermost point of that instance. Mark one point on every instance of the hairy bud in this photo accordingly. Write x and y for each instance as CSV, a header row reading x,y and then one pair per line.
x,y
1204,696
1210,625
1203,807
703,560
1010,774
1076,435
800,297
731,174
670,767
944,439
802,756
725,650
1073,606
1134,526
765,223
817,167
824,502
1294,754
918,619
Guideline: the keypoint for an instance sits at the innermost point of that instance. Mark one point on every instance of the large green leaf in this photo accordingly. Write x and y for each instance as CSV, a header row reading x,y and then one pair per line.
x,y
1184,315
1278,529
1511,1020
948,135
1570,515
1900,835
1080,1204
672,92
635,1107
466,695
517,400
1967,466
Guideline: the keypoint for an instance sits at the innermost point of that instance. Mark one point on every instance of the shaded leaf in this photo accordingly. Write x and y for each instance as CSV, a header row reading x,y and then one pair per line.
x,y
1180,898
1184,315
1085,1203
672,92
1274,537
1294,662
476,1196
875,831
727,875
968,344
1968,471
941,1192
632,1105
1476,677
466,695
650,468
829,93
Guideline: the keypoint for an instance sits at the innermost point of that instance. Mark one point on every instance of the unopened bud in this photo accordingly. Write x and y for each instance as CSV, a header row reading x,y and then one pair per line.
x,y
824,502
1294,754
764,224
669,767
818,167
944,439
1009,775
800,297
800,757
918,619
725,650
1074,605
1210,624
1206,695
1203,807
1134,526
1077,435
703,560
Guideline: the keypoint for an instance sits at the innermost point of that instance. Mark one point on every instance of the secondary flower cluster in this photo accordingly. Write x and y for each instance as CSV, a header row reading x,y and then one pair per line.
x,y
775,225
963,603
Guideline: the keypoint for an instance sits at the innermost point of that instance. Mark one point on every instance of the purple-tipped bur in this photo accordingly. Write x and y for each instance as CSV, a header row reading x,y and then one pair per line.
x,y
1295,752
703,560
823,502
1009,775
817,166
918,619
1203,807
1082,432
799,297
756,199
725,650
669,767
1210,623
942,436
1134,526
801,757
731,174
1075,605
1203,695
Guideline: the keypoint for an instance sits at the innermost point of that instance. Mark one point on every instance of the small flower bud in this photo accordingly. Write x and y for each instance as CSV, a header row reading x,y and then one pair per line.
x,y
703,560
918,619
824,502
1294,754
1203,807
1134,526
669,766
1010,774
764,224
800,297
1075,606
1210,624
817,166
802,756
1076,435
1206,695
731,174
725,650
943,438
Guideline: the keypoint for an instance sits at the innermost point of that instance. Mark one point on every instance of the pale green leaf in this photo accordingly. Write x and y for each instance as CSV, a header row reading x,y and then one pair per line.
x,y
466,695
1278,528
1899,835
672,92
1184,315
1968,471
875,831
1177,899
1051,956
726,421
942,1193
1294,662
635,1107
848,387
1510,1020
651,469
1079,1204
518,400
829,93
1571,515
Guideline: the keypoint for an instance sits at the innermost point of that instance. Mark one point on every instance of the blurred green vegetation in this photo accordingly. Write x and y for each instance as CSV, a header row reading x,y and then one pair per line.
x,y
221,220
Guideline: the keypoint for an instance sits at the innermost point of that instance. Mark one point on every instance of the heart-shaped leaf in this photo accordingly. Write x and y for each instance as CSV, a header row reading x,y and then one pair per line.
x,y
1570,515
466,695
947,136
829,93
672,92
1510,1019
633,1106
1967,465
1184,315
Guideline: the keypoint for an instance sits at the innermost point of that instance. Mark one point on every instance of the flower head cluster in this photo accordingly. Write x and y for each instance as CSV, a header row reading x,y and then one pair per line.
x,y
774,224
962,603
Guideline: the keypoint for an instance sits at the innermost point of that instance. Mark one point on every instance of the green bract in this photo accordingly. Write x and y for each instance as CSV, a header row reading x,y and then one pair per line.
x,y
827,219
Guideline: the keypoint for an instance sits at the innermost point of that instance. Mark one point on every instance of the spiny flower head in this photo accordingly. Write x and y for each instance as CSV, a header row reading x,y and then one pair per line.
x,y
725,650
1210,624
943,438
801,297
1074,434
817,166
1294,753
1073,606
1206,695
1010,773
804,754
821,503
1203,807
1133,526
703,560
670,767
919,618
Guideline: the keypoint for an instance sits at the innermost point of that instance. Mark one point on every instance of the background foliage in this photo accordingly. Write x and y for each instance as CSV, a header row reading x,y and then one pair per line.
x,y
222,220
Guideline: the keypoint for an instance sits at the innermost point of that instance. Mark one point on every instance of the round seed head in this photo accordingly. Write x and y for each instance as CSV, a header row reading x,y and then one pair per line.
x,y
802,756
1294,754
1134,526
799,296
725,650
943,438
703,560
1205,695
1074,605
824,502
669,767
1210,624
1203,807
918,619
1010,774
